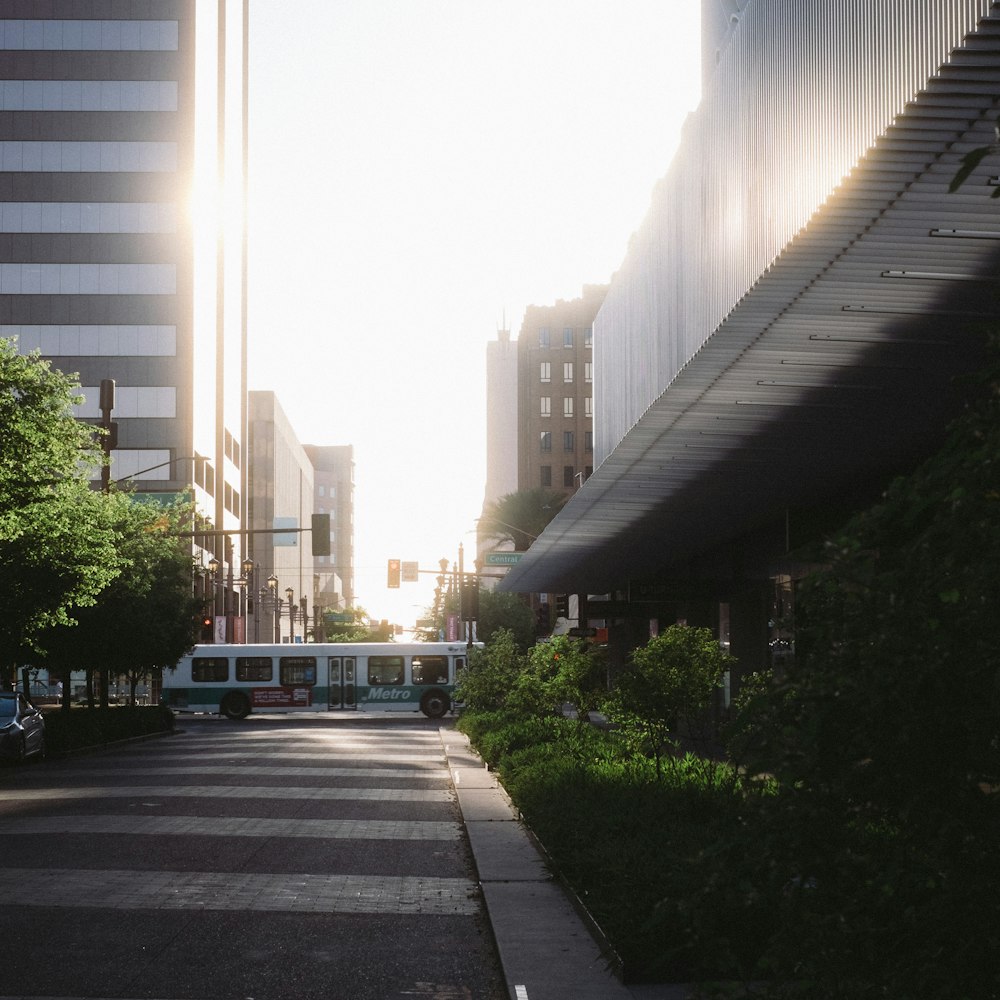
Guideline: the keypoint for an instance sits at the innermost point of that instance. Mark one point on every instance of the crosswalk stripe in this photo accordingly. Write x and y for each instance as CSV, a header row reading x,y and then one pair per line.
x,y
226,792
297,893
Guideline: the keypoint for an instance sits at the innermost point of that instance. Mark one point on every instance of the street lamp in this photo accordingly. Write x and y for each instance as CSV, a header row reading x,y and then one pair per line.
x,y
272,589
246,583
290,597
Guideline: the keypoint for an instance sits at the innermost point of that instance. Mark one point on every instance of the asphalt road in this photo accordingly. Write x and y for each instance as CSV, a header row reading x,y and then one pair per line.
x,y
279,857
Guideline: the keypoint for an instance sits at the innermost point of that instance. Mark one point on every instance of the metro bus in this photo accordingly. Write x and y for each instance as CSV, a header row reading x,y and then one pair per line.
x,y
235,680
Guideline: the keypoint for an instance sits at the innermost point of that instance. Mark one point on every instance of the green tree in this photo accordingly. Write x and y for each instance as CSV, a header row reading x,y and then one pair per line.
x,y
520,517
884,738
57,535
897,638
491,674
143,621
361,628
502,610
562,671
668,689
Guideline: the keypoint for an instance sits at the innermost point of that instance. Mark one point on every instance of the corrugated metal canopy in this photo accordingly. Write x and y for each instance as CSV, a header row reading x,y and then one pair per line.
x,y
835,367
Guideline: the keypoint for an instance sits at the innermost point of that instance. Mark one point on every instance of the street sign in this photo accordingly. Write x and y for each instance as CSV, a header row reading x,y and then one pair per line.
x,y
410,572
503,558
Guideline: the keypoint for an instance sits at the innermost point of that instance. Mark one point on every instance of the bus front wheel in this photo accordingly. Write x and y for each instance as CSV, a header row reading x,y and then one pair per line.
x,y
434,704
235,705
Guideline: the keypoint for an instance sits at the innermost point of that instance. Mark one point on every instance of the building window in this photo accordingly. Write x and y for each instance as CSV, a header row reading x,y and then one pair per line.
x,y
546,476
87,279
88,95
588,407
88,217
567,406
567,475
88,36
545,371
568,441
588,440
588,337
567,371
543,337
546,406
130,401
95,341
87,157
545,441
568,337
588,371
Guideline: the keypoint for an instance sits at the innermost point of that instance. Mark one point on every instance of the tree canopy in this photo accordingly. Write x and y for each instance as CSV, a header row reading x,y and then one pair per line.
x,y
520,517
144,618
57,536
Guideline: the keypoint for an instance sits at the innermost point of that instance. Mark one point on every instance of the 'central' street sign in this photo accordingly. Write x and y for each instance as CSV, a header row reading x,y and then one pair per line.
x,y
503,558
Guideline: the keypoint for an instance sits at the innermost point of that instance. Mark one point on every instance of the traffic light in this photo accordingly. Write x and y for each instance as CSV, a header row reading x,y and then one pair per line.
x,y
470,597
207,630
394,572
321,534
562,606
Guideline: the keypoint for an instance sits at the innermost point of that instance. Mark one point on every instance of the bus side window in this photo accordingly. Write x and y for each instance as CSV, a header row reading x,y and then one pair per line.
x,y
254,668
297,670
210,668
385,670
430,670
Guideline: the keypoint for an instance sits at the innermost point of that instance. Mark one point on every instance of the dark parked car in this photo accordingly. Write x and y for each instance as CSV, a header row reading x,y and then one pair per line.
x,y
22,728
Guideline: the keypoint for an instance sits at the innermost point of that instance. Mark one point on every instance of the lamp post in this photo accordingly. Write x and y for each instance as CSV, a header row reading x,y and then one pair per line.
x,y
246,592
272,586
290,597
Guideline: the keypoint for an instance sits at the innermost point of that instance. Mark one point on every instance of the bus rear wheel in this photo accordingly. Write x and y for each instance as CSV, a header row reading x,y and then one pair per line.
x,y
235,705
434,704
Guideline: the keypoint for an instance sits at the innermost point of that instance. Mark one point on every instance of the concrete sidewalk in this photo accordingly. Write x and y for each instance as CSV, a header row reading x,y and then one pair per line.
x,y
547,949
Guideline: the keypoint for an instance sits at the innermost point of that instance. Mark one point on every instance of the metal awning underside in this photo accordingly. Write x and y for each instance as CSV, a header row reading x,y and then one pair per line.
x,y
835,367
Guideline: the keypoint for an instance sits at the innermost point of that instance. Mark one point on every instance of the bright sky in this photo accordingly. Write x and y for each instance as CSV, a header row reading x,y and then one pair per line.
x,y
419,170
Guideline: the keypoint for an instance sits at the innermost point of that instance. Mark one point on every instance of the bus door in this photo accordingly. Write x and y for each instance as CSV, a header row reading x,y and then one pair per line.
x,y
342,682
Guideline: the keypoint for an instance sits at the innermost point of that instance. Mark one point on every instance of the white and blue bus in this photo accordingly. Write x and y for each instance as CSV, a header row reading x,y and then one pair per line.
x,y
313,677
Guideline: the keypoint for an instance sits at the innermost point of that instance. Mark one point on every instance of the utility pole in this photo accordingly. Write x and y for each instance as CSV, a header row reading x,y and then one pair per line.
x,y
110,435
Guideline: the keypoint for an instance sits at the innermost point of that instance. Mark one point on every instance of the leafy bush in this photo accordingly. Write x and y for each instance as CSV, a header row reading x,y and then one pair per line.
x,y
486,682
855,856
82,728
670,684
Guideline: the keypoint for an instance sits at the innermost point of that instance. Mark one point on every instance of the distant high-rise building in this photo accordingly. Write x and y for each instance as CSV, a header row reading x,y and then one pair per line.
x,y
281,496
116,118
555,425
333,483
501,416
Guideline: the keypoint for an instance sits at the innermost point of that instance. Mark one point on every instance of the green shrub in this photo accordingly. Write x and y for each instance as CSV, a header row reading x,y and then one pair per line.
x,y
82,728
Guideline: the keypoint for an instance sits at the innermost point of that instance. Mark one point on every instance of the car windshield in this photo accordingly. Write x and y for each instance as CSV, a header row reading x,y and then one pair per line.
x,y
7,707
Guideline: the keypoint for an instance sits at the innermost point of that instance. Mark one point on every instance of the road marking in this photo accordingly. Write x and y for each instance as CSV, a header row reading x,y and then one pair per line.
x,y
241,792
520,993
287,893
434,773
340,829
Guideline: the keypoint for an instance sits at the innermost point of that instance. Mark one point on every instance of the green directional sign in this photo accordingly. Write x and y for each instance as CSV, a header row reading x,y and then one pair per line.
x,y
503,558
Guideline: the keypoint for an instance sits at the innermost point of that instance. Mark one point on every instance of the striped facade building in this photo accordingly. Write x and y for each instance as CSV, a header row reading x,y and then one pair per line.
x,y
118,258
